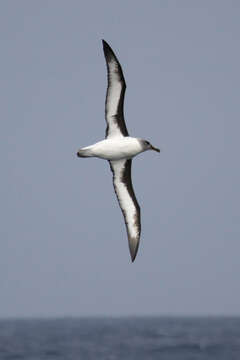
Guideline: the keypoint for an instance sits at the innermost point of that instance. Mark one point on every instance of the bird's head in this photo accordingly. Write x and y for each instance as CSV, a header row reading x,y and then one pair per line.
x,y
147,146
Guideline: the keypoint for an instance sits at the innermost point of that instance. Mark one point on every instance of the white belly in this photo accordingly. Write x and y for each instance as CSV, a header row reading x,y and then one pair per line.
x,y
116,148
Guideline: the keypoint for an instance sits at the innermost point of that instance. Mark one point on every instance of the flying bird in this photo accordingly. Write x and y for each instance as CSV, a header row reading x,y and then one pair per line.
x,y
119,148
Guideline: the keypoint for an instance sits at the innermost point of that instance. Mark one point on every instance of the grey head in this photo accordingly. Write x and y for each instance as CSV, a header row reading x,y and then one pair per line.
x,y
147,146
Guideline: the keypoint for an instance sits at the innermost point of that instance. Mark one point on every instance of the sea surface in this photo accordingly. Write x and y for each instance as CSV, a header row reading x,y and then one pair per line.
x,y
121,338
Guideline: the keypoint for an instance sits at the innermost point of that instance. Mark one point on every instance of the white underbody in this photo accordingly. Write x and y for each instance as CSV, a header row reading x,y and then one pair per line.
x,y
115,148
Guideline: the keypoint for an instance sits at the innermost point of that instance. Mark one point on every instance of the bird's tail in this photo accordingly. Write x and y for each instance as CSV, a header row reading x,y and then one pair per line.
x,y
84,153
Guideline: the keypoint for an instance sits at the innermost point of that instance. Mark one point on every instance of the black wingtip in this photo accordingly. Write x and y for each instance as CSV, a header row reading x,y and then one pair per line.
x,y
106,47
133,251
133,258
105,44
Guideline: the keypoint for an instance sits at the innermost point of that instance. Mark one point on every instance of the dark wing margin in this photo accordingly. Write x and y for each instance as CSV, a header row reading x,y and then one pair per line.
x,y
123,187
115,95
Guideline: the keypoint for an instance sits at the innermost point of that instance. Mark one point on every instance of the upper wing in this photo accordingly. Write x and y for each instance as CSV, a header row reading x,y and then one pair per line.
x,y
115,95
122,183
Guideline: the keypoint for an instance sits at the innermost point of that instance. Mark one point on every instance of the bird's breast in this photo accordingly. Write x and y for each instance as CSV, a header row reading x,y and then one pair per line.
x,y
117,148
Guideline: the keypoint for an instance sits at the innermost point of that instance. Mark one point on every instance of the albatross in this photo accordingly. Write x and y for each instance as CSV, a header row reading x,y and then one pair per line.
x,y
119,148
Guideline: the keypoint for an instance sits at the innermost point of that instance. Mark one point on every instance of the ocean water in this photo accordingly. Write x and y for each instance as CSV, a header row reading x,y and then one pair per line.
x,y
121,338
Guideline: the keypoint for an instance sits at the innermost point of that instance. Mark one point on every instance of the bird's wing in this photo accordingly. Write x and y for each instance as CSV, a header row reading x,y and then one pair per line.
x,y
115,95
122,183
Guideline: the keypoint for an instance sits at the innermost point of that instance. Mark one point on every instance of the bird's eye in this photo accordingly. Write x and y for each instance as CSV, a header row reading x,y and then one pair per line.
x,y
147,142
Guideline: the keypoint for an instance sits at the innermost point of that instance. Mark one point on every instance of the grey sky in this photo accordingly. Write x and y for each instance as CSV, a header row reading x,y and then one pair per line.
x,y
63,248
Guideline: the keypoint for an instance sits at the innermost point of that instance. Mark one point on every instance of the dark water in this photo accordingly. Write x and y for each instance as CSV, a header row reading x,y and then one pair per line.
x,y
123,338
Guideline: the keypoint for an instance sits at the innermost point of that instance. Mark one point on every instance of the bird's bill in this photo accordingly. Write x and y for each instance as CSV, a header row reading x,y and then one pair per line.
x,y
155,149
